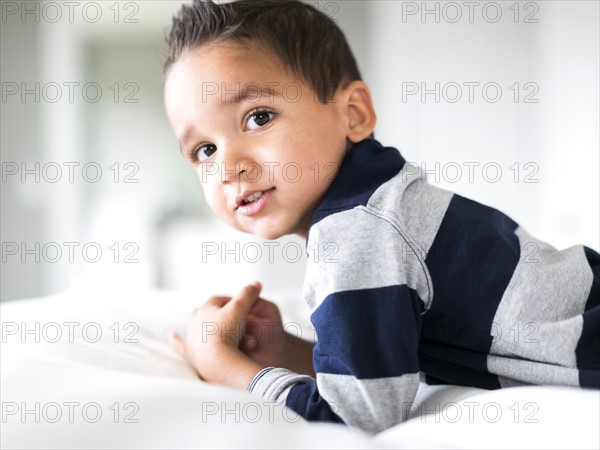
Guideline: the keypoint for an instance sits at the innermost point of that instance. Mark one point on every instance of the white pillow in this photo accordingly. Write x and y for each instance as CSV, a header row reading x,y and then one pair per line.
x,y
83,392
149,397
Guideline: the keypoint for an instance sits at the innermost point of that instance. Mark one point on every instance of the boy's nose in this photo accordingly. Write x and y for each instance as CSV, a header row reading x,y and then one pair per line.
x,y
231,172
235,164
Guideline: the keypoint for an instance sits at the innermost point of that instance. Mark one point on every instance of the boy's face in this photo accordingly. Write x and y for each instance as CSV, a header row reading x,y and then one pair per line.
x,y
278,140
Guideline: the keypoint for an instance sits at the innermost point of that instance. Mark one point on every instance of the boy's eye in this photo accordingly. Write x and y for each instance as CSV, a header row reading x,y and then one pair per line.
x,y
259,119
204,152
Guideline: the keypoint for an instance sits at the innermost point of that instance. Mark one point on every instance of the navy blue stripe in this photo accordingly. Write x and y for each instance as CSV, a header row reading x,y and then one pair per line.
x,y
449,365
593,259
588,347
589,378
587,351
305,400
471,262
431,380
369,333
365,167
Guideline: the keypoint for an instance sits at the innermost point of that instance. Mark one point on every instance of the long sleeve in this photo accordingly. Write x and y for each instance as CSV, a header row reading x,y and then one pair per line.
x,y
366,311
366,294
405,278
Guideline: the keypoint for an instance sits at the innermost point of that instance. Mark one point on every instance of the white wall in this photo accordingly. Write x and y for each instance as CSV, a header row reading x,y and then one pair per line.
x,y
557,136
164,214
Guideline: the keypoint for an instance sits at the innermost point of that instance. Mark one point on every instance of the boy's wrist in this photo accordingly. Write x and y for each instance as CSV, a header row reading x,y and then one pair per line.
x,y
234,369
298,355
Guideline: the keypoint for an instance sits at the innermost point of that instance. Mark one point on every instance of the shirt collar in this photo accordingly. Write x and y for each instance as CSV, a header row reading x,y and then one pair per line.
x,y
365,167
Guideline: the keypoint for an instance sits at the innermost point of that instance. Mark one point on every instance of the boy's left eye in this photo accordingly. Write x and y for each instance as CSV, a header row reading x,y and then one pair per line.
x,y
259,119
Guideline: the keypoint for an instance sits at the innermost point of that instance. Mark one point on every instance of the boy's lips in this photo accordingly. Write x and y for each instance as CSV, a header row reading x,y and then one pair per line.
x,y
258,198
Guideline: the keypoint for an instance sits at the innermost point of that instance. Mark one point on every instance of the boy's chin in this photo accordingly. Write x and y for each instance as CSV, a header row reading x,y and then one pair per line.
x,y
267,233
269,229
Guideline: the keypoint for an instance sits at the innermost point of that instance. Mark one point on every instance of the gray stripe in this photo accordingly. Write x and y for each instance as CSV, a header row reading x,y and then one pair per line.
x,y
371,247
519,372
539,316
257,377
367,255
511,382
275,385
372,405
421,206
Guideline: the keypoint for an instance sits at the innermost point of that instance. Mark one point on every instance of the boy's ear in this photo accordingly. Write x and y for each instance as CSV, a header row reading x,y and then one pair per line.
x,y
360,112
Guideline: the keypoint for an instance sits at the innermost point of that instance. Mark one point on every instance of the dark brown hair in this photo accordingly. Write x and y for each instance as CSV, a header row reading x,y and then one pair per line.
x,y
308,43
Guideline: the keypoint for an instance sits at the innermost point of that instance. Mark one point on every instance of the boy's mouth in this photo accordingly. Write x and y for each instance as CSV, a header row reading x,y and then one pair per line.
x,y
252,198
248,197
253,203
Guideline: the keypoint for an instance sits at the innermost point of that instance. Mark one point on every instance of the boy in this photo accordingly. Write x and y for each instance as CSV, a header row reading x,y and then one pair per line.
x,y
403,279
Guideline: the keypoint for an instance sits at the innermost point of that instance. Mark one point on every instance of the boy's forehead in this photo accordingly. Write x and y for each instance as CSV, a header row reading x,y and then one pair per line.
x,y
224,73
233,63
218,76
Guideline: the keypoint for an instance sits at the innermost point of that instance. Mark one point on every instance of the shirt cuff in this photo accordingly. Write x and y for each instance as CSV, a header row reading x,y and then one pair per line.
x,y
258,377
274,383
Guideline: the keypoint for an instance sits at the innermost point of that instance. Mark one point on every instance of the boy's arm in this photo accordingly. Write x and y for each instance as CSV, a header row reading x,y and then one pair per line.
x,y
299,356
219,347
365,361
367,316
214,333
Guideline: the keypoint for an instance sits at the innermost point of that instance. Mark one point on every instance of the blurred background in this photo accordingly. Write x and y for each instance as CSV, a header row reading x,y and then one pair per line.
x,y
498,101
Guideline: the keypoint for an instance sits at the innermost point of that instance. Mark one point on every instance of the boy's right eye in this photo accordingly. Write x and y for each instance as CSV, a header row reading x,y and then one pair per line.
x,y
202,153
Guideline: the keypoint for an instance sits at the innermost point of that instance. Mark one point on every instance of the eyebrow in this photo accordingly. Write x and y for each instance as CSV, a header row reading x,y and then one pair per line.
x,y
184,139
253,93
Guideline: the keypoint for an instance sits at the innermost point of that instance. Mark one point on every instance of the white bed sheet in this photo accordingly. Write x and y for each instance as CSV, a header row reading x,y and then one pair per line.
x,y
147,397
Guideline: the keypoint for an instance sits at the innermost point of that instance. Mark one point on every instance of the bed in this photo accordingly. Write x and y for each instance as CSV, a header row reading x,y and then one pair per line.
x,y
93,370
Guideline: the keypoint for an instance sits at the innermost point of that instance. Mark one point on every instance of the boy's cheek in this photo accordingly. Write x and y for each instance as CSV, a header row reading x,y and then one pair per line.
x,y
207,173
218,204
219,207
214,198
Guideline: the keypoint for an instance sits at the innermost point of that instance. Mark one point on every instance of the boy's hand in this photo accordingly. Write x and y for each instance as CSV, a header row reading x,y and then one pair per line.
x,y
264,340
214,333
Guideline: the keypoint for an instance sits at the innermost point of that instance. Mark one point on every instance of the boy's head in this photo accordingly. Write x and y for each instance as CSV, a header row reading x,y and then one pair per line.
x,y
264,97
307,42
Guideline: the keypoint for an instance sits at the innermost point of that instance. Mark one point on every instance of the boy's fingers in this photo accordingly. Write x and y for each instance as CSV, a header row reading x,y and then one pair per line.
x,y
177,343
264,308
243,301
180,347
249,343
258,307
217,300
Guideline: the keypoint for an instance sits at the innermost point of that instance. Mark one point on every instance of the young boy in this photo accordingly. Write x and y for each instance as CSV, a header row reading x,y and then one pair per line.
x,y
404,280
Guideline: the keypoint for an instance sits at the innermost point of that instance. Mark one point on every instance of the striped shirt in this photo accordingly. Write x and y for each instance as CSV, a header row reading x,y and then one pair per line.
x,y
409,282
